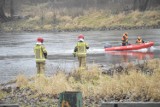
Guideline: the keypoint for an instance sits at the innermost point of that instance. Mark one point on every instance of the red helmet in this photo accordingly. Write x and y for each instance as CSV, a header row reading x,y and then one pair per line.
x,y
39,39
81,36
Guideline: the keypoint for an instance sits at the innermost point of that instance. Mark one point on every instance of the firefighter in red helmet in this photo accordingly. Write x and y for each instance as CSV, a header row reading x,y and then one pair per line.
x,y
81,36
80,51
40,55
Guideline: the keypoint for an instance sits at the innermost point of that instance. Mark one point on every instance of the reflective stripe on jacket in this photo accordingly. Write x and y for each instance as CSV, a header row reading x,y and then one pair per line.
x,y
39,51
81,49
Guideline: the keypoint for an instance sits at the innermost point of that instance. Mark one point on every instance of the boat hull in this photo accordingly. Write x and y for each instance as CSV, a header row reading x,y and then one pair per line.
x,y
130,47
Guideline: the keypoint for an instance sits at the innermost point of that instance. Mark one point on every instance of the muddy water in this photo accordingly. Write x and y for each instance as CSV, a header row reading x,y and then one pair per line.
x,y
17,57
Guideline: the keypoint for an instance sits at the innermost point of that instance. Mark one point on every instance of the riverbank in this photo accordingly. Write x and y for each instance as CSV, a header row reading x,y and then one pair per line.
x,y
120,84
90,20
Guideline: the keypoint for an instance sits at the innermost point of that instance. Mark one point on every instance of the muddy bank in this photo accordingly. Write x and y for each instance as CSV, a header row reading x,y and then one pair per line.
x,y
108,28
140,66
27,97
118,28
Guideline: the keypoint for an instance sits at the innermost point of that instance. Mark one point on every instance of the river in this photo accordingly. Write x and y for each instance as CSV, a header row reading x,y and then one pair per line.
x,y
17,57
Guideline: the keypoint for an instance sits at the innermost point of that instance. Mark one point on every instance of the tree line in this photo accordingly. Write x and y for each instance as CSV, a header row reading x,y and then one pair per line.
x,y
11,6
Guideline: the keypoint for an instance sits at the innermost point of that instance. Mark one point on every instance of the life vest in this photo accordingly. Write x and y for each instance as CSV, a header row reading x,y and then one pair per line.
x,y
124,39
126,36
81,49
139,41
39,53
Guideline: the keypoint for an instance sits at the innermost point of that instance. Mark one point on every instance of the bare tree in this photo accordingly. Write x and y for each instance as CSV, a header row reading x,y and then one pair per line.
x,y
140,5
12,8
3,17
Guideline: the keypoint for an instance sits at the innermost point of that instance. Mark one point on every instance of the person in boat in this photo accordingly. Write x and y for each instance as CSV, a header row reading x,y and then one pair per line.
x,y
40,56
139,40
80,51
125,39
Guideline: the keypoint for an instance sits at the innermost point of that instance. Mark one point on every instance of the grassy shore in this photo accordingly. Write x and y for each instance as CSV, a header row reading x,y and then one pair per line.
x,y
88,20
92,82
131,84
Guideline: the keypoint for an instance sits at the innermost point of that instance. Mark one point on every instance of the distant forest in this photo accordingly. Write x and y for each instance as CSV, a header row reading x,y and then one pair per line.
x,y
10,8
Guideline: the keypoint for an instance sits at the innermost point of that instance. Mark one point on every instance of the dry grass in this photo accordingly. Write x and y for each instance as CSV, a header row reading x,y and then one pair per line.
x,y
99,19
52,85
46,19
134,85
2,94
21,81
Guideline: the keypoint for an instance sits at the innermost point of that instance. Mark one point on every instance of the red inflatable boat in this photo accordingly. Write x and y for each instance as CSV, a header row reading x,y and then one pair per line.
x,y
130,47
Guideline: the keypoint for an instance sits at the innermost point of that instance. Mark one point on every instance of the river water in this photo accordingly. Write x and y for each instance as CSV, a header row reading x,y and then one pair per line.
x,y
17,57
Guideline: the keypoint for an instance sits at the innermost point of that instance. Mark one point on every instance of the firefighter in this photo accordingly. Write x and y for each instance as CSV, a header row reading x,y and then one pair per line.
x,y
40,55
80,51
125,39
139,40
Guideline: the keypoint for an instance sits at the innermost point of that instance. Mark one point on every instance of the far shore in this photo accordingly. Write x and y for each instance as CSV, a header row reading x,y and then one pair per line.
x,y
90,21
87,29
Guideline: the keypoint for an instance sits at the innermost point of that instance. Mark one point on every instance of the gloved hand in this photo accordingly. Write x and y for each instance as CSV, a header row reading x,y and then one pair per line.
x,y
45,55
74,54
